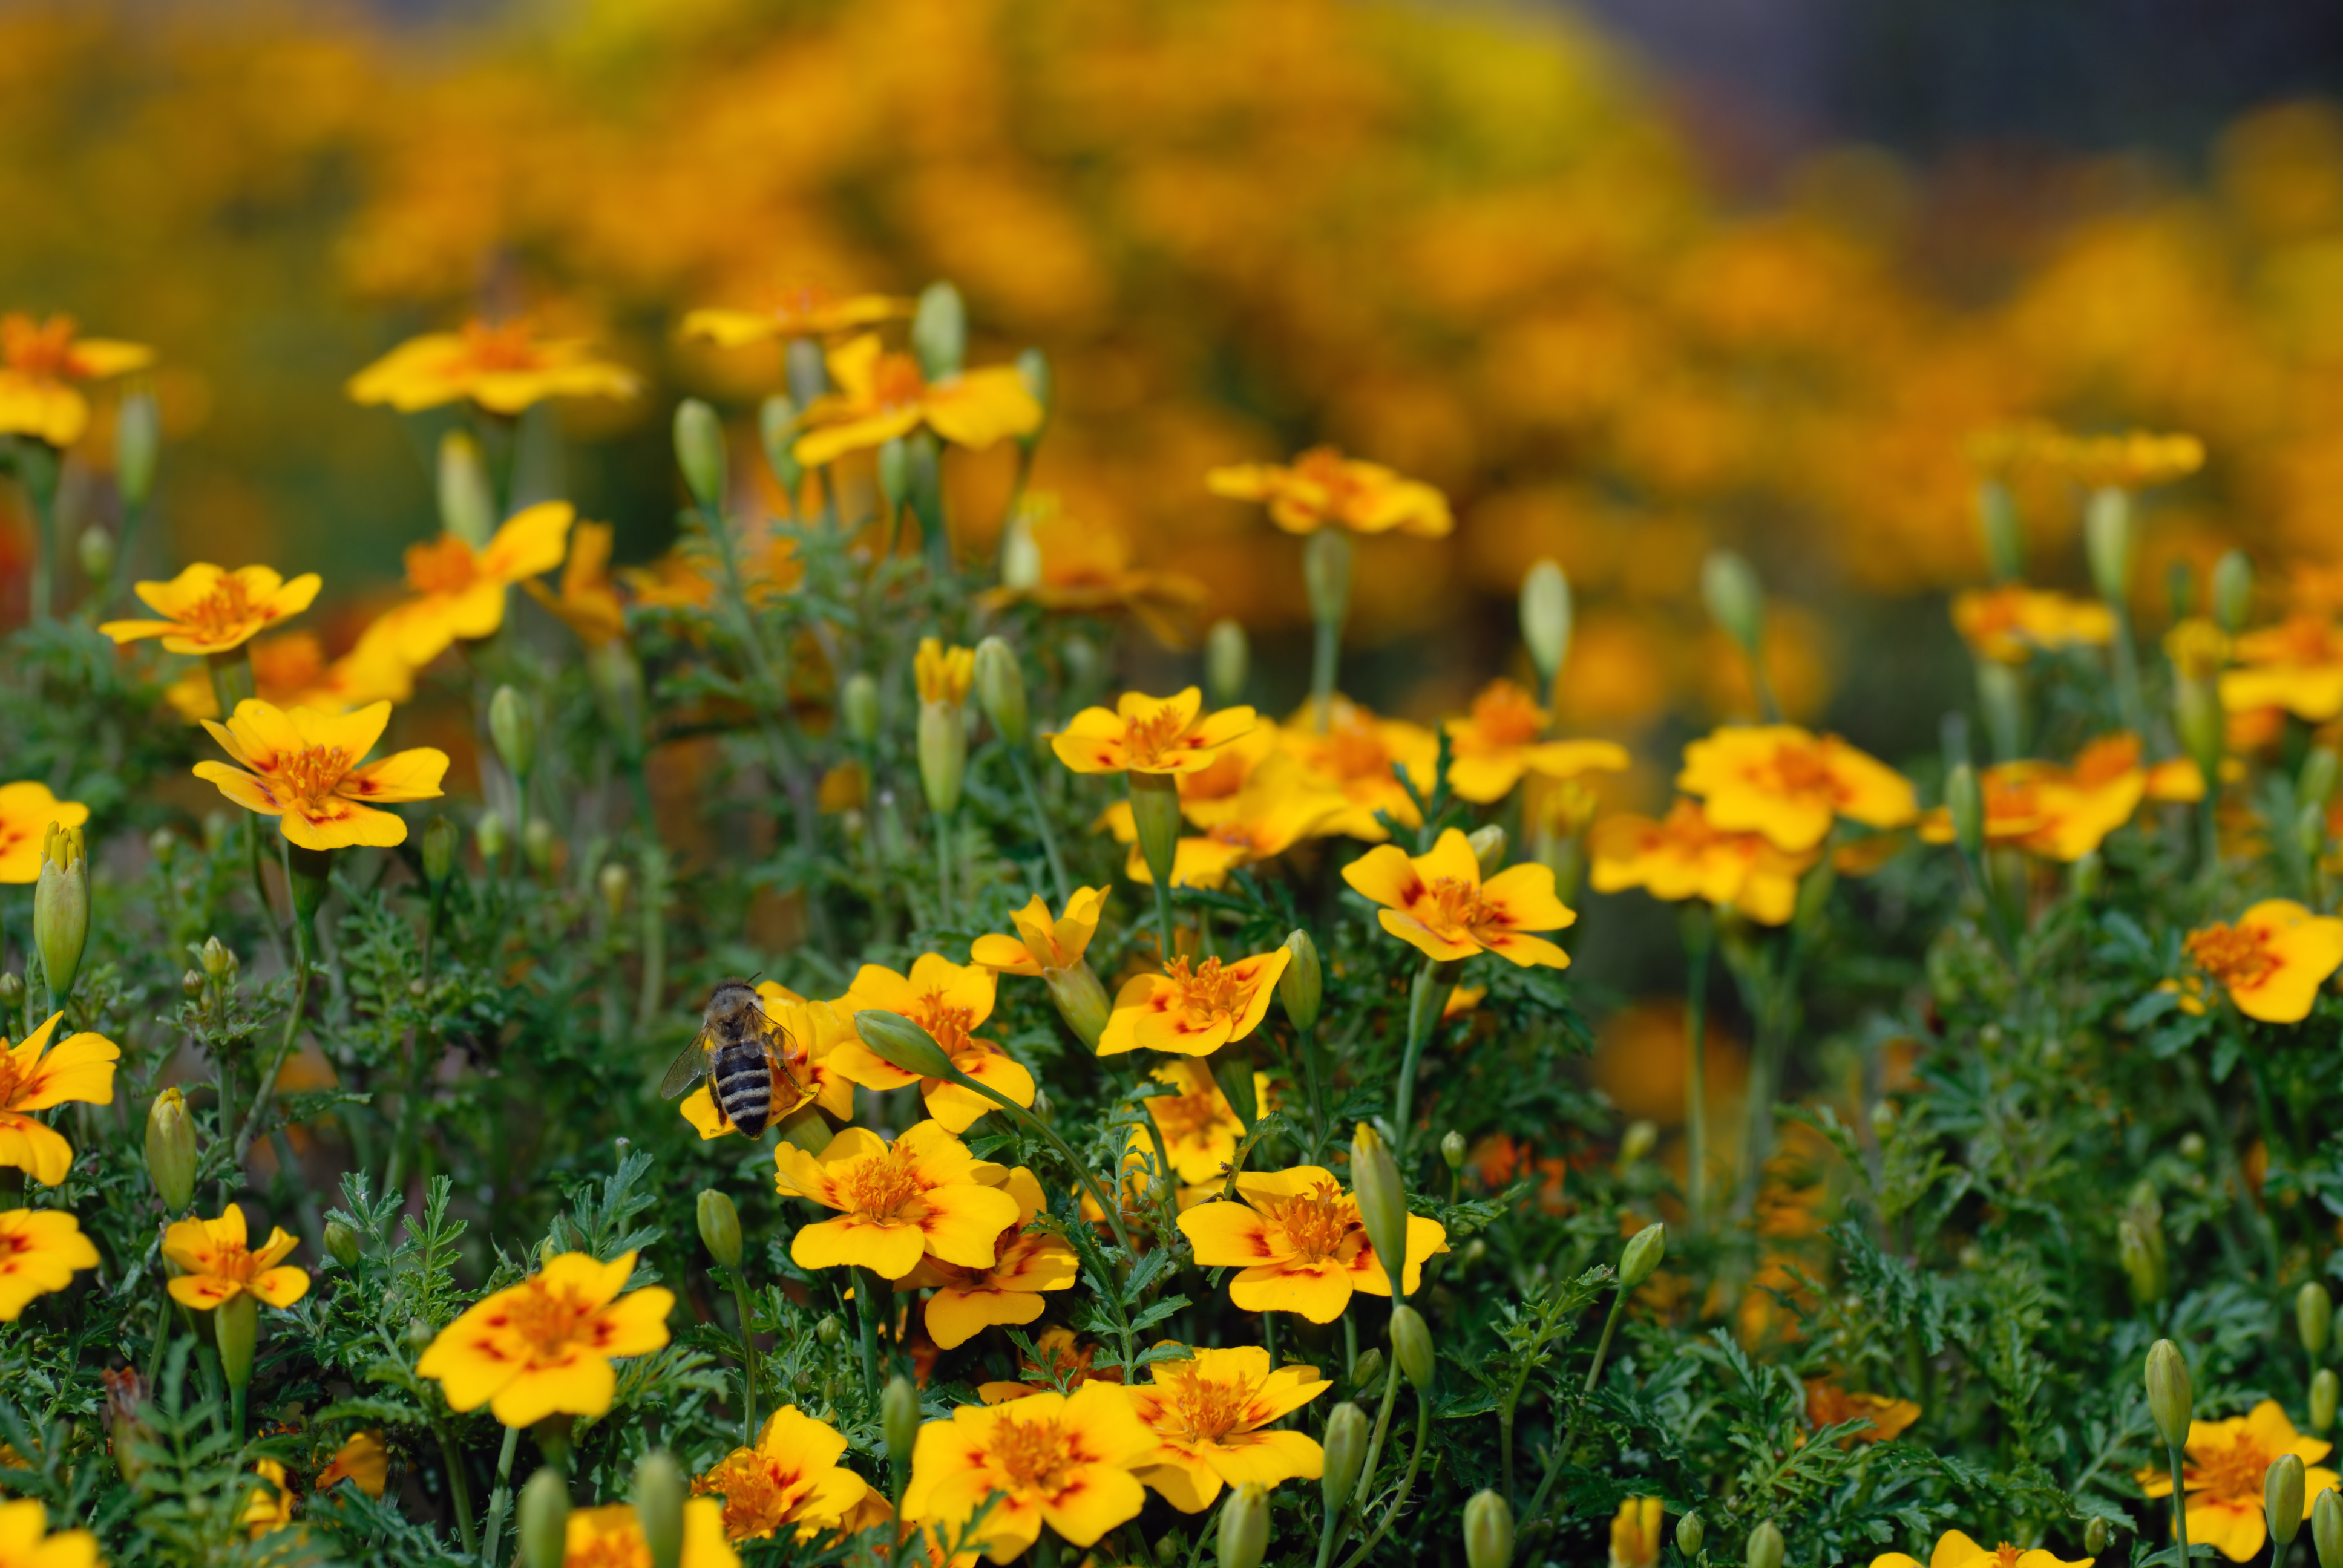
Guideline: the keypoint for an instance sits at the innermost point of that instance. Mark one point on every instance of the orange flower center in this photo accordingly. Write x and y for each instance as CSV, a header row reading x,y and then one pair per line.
x,y
947,1021
2005,1555
1208,1409
226,611
44,349
2233,1474
1456,906
502,347
2236,958
11,1085
549,1320
2306,640
230,1261
287,665
1145,739
1799,770
1314,1222
1503,715
755,1501
879,1186
444,565
896,382
1211,993
1324,468
13,1244
1032,1455
1354,751
310,775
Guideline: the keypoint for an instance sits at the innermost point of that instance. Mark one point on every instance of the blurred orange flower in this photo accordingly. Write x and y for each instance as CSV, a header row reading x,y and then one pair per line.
x,y
1322,487
460,591
799,307
1497,742
205,609
883,395
1790,784
1685,856
39,363
2011,623
504,366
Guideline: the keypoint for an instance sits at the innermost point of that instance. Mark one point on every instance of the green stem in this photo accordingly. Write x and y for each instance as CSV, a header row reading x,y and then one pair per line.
x,y
866,1292
654,991
748,1358
1700,933
2179,1505
2128,703
1406,1481
1422,1012
459,1490
267,1089
944,867
1391,1381
1306,1042
1570,1427
36,467
1024,769
500,1500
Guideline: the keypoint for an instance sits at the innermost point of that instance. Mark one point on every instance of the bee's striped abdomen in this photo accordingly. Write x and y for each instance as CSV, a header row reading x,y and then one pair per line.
x,y
742,1078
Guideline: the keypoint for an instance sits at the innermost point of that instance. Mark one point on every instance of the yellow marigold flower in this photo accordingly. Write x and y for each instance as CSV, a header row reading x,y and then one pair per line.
x,y
2131,461
1302,1246
40,1251
209,609
799,307
1686,856
1954,1550
812,1031
26,1541
26,810
304,768
1636,1532
1060,1460
2297,664
267,1507
545,1346
1322,487
944,674
363,1461
1998,449
1057,1360
290,671
883,395
612,1537
1827,1404
39,363
1041,943
1084,567
1789,784
1208,1413
792,1477
35,1078
948,1000
1149,735
1194,1013
2222,1476
2273,960
1200,1127
2064,813
2011,623
1494,744
1438,902
218,1266
1355,758
459,592
1278,806
969,1299
922,1194
589,602
2198,648
505,367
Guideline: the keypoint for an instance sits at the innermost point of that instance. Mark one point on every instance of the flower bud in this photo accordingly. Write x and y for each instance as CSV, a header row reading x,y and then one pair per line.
x,y
218,962
467,506
1643,1254
441,838
342,1243
2282,1500
943,756
1635,1145
699,453
2315,785
719,1227
900,1418
493,836
829,1331
1245,1526
125,1401
2171,1398
615,883
1452,1149
1326,573
1736,598
2097,1536
659,1491
940,332
2140,1263
2199,721
1347,1431
1965,804
2004,537
2323,1390
236,1325
1488,1527
11,990
777,433
1488,847
61,909
1765,1546
171,1150
1546,618
1020,554
1383,1205
1411,1339
858,706
1367,1372
513,727
805,371
1691,1535
1082,1000
137,443
1033,369
1155,817
2111,542
1304,983
544,1519
1228,663
2233,591
903,1044
2326,1528
95,550
2314,1318
1001,690
538,843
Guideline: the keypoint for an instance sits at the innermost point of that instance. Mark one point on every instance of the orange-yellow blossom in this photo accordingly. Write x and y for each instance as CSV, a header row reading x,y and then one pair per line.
x,y
1194,1012
2222,1477
209,609
1301,1247
1790,784
796,307
923,1194
2296,665
792,1478
1955,1550
1043,944
1437,902
1149,735
40,361
966,1299
1211,1414
26,810
2064,813
1322,487
944,674
459,592
2011,623
1827,1404
2273,960
503,367
543,1346
306,770
218,1265
950,1001
35,1078
41,1249
881,395
1498,742
1683,855
1060,1460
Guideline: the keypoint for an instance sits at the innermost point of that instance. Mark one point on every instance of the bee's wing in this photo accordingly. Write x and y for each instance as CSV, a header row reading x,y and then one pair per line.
x,y
782,1048
687,1069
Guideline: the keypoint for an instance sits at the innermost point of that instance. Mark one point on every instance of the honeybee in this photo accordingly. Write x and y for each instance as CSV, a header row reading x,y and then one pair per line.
x,y
750,1059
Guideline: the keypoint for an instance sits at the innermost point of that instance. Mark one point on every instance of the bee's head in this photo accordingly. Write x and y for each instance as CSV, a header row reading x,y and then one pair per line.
x,y
732,997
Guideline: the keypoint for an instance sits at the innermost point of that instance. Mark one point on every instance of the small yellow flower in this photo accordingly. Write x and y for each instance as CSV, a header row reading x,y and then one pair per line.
x,y
589,602
1686,856
944,674
611,1536
208,610
1790,784
1438,903
40,1251
2199,649
1278,806
459,592
2064,813
290,669
883,395
1322,487
2134,460
969,1299
267,1507
792,1477
217,1266
897,1202
2011,623
35,1078
504,367
1827,1404
950,1001
26,1541
26,810
1955,1550
1149,735
1060,1460
1301,1246
2297,664
362,1461
1356,758
1084,567
2273,962
39,363
1494,744
545,1345
1209,1413
2223,1477
1200,1127
799,307
1636,1532
1041,943
1194,1013
305,768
